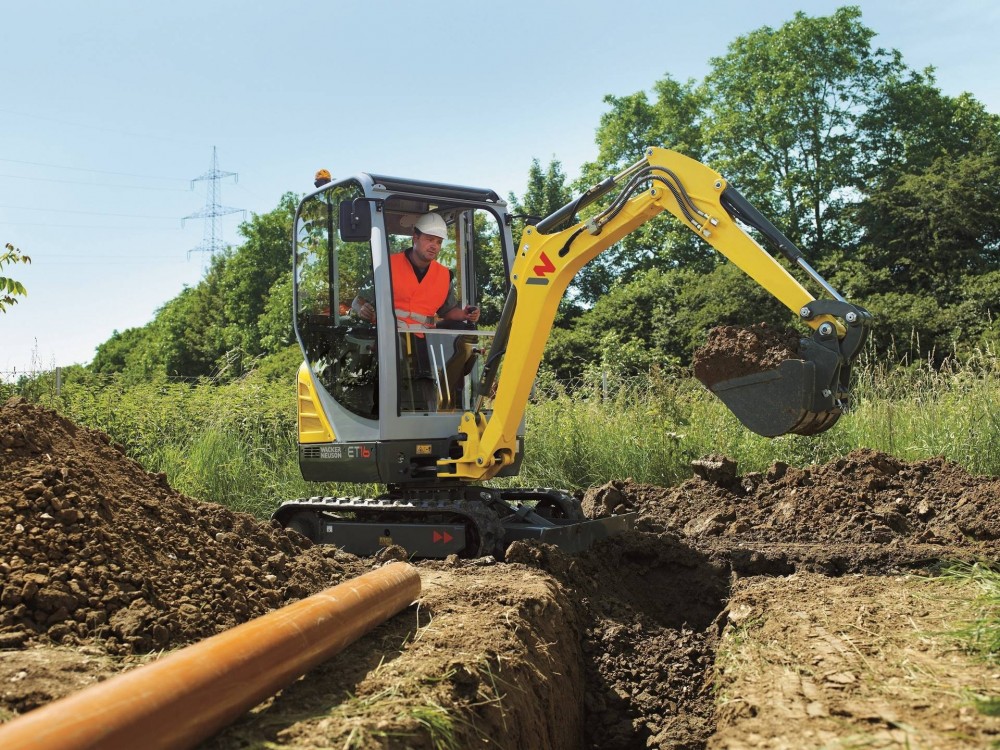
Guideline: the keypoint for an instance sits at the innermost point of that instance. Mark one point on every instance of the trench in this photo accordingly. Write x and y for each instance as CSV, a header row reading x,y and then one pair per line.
x,y
650,619
614,648
653,609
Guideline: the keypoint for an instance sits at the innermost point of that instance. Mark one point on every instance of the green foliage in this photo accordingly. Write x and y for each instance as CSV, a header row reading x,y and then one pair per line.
x,y
784,112
281,366
633,124
911,124
547,191
232,444
665,315
979,634
10,288
238,312
607,427
650,426
674,119
275,324
262,261
932,229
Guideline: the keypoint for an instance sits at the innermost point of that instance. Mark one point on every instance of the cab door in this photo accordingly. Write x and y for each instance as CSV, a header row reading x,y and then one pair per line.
x,y
340,350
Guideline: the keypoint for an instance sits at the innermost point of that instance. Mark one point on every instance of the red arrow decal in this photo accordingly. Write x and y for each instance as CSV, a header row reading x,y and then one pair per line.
x,y
546,267
442,537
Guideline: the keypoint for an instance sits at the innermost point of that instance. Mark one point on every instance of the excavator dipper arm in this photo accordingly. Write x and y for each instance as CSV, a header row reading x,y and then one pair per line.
x,y
801,396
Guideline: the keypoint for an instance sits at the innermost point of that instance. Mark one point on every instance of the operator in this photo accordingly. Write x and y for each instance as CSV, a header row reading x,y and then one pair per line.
x,y
421,286
423,289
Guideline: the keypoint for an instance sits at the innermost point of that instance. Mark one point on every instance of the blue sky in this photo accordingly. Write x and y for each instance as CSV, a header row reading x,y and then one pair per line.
x,y
109,109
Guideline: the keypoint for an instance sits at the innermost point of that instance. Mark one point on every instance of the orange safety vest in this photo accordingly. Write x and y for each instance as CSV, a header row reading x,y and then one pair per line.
x,y
416,302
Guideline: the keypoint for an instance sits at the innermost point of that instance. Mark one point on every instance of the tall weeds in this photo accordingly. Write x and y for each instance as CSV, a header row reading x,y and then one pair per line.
x,y
235,444
649,428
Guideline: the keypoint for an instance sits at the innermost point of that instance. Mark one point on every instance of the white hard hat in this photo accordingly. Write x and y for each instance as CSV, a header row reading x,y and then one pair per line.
x,y
432,224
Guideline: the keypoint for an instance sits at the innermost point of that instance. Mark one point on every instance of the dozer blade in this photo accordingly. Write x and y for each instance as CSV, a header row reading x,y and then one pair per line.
x,y
799,396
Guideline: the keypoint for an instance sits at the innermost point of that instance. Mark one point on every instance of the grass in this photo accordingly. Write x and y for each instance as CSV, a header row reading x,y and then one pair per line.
x,y
979,636
230,444
357,716
649,428
234,444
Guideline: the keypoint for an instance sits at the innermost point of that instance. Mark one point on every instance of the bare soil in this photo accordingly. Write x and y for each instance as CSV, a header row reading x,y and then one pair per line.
x,y
763,610
731,352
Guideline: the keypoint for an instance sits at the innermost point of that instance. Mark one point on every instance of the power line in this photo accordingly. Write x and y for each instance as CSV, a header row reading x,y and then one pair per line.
x,y
93,184
88,213
88,226
96,171
88,257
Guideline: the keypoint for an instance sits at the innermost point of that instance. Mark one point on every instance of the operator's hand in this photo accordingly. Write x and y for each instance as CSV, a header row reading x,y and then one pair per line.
x,y
472,313
366,311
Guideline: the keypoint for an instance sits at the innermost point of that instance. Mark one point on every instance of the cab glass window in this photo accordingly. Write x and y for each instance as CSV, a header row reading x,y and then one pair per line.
x,y
339,348
439,361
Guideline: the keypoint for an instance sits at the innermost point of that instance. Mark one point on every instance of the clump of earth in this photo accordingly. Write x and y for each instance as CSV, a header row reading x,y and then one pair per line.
x,y
634,643
731,352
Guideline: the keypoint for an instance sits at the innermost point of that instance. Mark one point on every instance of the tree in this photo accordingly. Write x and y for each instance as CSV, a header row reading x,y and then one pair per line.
x,y
547,191
250,273
224,323
911,124
931,229
10,288
666,314
122,352
674,120
784,115
633,124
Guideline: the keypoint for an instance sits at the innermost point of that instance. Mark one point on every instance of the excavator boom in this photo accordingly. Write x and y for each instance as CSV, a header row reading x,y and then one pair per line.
x,y
802,396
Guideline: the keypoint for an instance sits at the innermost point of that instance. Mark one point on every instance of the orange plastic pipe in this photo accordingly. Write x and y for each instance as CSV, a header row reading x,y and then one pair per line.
x,y
189,695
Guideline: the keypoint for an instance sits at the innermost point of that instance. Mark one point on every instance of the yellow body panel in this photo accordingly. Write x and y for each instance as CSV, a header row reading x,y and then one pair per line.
x,y
314,427
546,264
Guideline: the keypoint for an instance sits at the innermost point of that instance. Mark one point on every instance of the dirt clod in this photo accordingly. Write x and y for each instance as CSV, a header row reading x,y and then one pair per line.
x,y
733,352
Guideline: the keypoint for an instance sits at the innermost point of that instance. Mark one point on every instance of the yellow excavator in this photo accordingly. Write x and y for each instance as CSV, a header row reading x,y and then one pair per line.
x,y
432,412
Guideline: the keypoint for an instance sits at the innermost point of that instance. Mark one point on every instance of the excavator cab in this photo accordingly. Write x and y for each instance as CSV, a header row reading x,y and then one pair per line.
x,y
379,400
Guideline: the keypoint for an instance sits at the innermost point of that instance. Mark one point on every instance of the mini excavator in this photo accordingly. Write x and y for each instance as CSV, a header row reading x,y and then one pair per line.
x,y
432,412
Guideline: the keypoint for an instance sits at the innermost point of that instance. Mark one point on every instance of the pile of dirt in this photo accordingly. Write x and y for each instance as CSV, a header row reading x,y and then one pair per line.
x,y
864,498
93,547
733,352
656,601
